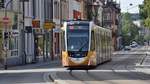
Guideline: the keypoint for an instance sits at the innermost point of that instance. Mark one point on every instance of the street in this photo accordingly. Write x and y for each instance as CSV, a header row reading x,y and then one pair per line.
x,y
49,41
123,69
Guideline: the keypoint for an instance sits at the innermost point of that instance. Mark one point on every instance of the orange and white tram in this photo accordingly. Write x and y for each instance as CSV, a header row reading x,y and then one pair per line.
x,y
85,44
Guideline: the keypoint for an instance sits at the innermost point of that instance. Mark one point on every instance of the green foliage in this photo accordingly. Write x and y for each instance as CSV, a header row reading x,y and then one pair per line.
x,y
147,37
147,22
129,30
145,12
139,39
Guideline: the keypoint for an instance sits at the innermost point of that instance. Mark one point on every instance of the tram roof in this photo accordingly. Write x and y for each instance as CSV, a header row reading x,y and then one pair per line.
x,y
102,28
76,20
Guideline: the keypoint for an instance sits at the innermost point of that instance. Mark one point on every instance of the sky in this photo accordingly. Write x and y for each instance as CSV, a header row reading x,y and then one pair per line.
x,y
125,5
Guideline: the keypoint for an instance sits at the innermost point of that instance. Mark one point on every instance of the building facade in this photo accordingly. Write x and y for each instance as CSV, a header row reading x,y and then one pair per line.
x,y
24,38
111,20
10,39
75,9
95,11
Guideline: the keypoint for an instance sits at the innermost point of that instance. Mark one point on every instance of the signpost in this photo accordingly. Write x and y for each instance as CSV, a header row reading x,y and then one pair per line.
x,y
36,23
49,25
6,21
36,26
6,36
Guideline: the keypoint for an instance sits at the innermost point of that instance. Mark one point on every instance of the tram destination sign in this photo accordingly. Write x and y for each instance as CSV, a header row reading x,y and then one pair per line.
x,y
78,22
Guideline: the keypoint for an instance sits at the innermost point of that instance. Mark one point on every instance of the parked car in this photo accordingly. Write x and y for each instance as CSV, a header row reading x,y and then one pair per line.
x,y
134,45
127,48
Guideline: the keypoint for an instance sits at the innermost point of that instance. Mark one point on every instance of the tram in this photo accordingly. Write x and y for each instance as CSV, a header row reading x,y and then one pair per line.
x,y
85,44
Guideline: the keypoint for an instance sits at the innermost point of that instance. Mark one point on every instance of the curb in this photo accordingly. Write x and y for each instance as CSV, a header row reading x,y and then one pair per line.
x,y
53,76
131,53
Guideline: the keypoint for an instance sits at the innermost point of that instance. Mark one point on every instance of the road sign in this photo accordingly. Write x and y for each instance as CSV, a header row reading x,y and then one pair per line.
x,y
48,25
28,29
6,35
5,20
36,23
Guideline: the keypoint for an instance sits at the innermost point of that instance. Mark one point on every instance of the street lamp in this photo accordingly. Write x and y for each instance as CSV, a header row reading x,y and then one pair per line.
x,y
6,34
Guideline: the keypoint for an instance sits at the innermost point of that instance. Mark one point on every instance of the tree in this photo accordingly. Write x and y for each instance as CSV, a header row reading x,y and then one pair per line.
x,y
139,39
129,30
145,16
147,37
145,13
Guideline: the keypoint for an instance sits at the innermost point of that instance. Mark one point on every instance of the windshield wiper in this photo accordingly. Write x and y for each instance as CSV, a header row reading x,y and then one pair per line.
x,y
80,49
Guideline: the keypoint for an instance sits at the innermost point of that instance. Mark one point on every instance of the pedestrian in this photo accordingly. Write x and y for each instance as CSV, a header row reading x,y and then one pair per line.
x,y
39,51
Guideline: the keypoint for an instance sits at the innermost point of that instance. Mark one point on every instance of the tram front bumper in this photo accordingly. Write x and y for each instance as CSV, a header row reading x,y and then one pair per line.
x,y
89,60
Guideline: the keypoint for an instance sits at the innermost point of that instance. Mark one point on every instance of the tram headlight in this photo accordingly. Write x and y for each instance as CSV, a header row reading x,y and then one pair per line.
x,y
92,60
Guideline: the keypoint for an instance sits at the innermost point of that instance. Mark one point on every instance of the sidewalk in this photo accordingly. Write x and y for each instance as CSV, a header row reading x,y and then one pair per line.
x,y
41,63
141,50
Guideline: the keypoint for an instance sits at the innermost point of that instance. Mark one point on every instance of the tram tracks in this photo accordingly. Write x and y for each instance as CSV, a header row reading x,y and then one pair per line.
x,y
137,73
87,79
77,78
122,68
128,65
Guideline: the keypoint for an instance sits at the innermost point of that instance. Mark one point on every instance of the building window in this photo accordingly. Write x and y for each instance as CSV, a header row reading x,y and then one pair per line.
x,y
13,46
56,10
107,16
64,10
34,9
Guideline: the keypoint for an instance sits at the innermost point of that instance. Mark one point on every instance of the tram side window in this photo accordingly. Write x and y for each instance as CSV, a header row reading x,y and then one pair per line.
x,y
63,41
92,41
110,45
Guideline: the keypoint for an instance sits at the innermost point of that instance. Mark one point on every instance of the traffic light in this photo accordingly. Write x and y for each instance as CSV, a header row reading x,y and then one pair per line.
x,y
2,4
6,35
28,29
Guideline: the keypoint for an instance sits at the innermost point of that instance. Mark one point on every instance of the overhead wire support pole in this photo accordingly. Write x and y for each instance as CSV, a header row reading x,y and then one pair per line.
x,y
23,10
6,39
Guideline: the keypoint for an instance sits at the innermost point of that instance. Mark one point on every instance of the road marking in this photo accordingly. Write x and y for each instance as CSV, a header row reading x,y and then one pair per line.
x,y
59,70
31,70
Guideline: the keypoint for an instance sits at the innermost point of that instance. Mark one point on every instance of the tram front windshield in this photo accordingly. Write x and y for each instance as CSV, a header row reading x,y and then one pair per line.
x,y
77,37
